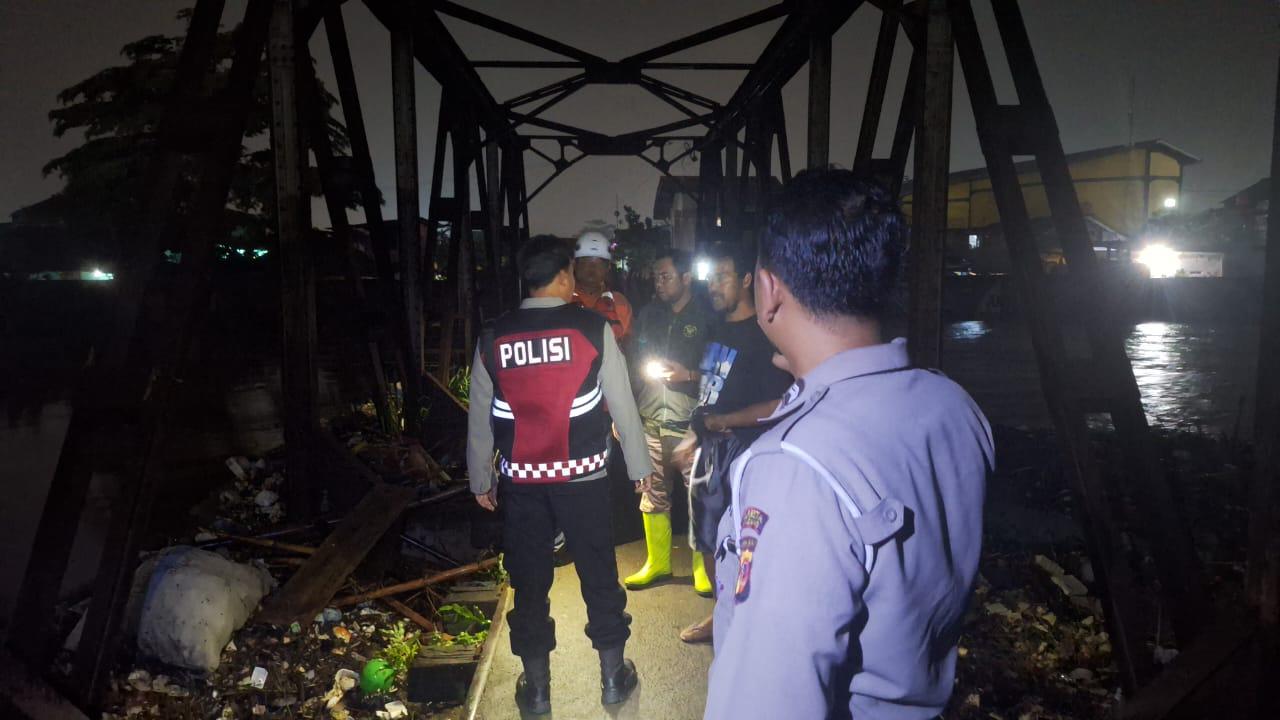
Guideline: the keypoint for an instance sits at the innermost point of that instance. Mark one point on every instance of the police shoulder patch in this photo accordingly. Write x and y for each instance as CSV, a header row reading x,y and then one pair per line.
x,y
753,518
746,552
690,330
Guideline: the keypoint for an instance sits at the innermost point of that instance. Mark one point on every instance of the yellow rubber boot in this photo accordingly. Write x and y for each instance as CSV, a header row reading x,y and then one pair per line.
x,y
657,539
701,582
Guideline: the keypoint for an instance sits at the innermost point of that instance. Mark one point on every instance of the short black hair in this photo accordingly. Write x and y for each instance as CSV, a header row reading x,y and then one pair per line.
x,y
742,253
541,258
837,239
682,259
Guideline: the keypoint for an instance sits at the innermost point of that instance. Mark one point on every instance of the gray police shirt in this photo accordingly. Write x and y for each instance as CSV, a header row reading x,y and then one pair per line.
x,y
848,555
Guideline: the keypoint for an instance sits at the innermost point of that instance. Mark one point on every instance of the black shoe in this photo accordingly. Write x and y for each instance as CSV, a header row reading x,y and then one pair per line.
x,y
616,687
533,697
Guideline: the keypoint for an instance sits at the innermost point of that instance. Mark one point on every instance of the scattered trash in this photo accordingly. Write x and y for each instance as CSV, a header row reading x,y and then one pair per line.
x,y
1164,656
1070,585
1081,675
342,633
377,676
329,616
1049,566
259,677
394,709
295,628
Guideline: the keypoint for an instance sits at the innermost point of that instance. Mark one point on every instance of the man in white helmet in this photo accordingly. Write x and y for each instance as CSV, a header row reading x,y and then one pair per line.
x,y
592,260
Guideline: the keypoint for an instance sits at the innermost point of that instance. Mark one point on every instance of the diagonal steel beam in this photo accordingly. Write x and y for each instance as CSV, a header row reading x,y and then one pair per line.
x,y
781,59
714,33
576,65
438,52
545,91
503,27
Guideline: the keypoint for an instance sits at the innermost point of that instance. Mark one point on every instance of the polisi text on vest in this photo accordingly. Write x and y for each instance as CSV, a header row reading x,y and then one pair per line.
x,y
534,351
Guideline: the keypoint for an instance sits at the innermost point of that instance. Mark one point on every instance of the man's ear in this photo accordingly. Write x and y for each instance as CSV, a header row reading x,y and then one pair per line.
x,y
768,294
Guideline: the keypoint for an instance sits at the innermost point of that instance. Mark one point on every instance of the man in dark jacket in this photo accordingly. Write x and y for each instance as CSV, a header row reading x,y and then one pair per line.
x,y
539,383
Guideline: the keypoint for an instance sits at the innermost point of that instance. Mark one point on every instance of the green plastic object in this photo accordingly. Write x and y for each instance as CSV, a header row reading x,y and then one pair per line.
x,y
377,676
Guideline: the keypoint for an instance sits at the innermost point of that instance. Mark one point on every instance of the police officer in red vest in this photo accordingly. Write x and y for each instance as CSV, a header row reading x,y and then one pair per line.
x,y
539,383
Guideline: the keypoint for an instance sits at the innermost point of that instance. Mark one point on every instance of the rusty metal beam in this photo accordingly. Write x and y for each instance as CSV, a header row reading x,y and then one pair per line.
x,y
713,33
439,53
515,32
819,100
370,197
929,191
297,294
876,87
405,122
574,65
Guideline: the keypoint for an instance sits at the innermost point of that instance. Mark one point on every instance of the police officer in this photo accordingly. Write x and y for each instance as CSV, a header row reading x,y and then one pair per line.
x,y
539,383
851,542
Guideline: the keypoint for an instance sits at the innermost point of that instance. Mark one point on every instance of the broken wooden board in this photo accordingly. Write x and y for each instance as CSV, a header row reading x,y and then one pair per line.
x,y
316,582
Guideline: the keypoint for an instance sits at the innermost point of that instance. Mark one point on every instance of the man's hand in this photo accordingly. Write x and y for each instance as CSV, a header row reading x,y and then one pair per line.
x,y
644,483
682,455
678,373
489,500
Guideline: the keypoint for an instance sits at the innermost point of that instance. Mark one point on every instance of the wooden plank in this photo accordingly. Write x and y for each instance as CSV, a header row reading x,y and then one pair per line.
x,y
404,587
929,193
311,588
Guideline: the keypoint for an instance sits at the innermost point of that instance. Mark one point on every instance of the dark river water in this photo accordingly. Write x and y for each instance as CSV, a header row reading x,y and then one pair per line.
x,y
1191,375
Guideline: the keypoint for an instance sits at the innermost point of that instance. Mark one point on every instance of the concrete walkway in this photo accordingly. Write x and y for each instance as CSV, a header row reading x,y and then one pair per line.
x,y
673,675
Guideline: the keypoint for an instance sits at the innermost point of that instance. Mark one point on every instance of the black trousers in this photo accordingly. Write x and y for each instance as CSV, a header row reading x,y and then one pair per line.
x,y
530,516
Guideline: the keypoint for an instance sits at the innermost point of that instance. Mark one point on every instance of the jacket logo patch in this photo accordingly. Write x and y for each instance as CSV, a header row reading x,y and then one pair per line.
x,y
690,330
742,588
754,518
535,351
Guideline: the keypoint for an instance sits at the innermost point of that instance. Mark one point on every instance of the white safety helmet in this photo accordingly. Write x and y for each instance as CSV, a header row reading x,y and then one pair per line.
x,y
593,244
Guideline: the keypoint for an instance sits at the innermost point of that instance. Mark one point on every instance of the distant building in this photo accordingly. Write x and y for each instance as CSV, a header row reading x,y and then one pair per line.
x,y
1121,188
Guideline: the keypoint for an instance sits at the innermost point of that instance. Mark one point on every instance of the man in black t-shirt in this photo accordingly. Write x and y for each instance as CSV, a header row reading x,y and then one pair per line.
x,y
739,385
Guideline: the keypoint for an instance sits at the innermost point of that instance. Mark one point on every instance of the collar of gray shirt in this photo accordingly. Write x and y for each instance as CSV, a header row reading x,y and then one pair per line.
x,y
841,366
540,303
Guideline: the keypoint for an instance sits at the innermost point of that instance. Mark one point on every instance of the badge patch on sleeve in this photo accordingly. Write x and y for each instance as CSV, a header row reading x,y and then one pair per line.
x,y
742,588
753,518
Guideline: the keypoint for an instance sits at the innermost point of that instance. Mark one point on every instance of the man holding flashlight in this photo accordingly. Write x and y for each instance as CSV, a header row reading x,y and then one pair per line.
x,y
670,337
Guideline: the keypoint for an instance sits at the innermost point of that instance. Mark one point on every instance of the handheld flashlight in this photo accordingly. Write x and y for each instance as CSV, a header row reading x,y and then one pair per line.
x,y
657,370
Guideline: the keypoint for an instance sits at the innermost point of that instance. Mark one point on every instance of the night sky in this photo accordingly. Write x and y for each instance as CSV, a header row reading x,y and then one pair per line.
x,y
1204,71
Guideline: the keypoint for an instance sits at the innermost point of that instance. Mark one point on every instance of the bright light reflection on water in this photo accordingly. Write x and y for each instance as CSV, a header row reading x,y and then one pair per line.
x,y
1191,375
